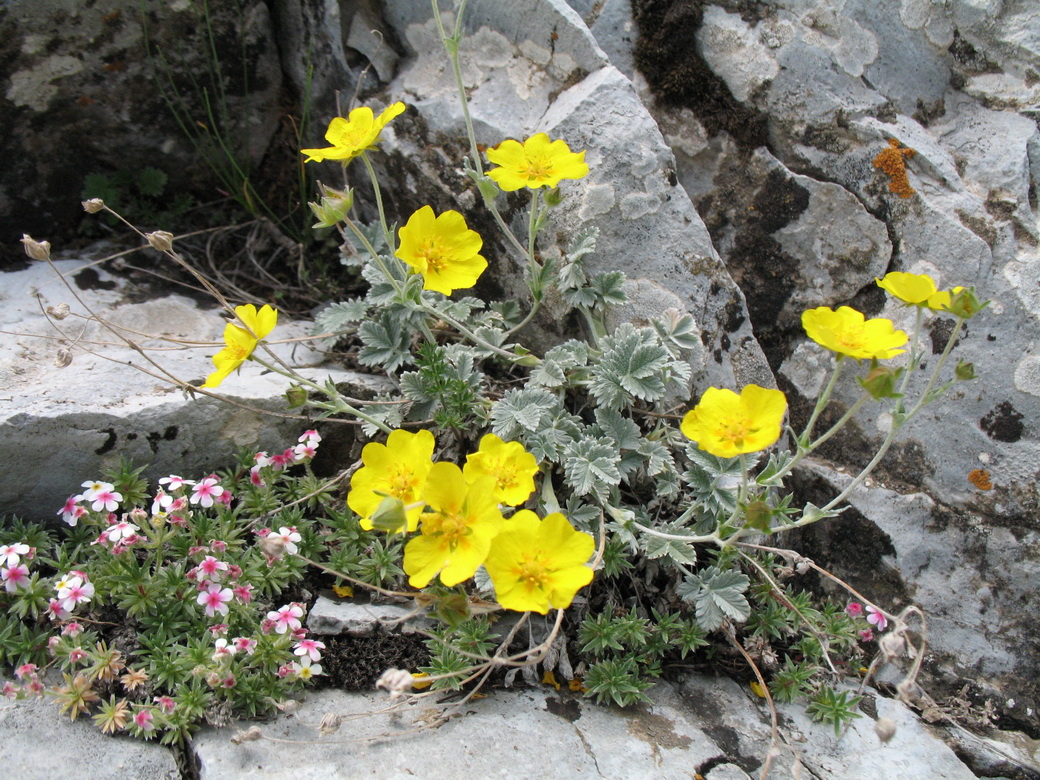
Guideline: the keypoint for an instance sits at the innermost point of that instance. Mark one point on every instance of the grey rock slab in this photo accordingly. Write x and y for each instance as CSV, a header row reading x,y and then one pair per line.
x,y
347,617
61,426
969,577
739,722
509,734
39,743
534,66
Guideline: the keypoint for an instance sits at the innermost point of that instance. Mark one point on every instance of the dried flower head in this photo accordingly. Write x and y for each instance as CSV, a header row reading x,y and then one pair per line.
x,y
160,240
397,681
93,206
37,250
59,312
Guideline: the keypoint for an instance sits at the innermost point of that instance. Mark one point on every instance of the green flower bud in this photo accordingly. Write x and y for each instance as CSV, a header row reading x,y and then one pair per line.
x,y
553,197
964,371
390,515
296,396
880,382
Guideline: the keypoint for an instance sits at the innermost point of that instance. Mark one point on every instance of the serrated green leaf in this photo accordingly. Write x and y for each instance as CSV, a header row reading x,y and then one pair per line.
x,y
716,595
385,343
680,552
583,243
590,466
610,288
625,433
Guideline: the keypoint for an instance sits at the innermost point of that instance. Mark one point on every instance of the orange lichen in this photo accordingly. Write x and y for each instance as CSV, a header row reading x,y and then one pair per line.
x,y
980,479
892,162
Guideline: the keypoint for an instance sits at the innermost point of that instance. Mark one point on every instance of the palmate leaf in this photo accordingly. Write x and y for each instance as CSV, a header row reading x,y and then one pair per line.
x,y
591,466
558,361
624,433
385,343
717,595
520,411
680,552
337,318
634,364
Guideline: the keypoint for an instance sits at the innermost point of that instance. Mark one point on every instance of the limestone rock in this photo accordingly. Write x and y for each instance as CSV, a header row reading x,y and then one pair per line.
x,y
62,425
40,744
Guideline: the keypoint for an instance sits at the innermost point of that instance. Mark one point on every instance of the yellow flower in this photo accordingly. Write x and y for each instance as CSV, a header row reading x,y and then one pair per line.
x,y
847,332
537,564
240,342
442,249
512,467
909,288
398,469
726,424
354,135
457,534
536,162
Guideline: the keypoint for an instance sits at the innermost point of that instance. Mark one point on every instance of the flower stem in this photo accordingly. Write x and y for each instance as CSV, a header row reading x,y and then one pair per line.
x,y
337,402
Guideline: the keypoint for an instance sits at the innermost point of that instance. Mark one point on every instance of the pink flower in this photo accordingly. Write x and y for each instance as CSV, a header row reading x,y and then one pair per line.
x,y
72,629
310,648
229,681
286,618
855,609
223,650
289,536
217,546
280,461
244,593
56,610
11,554
244,644
120,531
215,599
875,618
866,635
285,670
106,500
15,577
76,592
266,626
174,482
76,655
52,644
93,488
166,704
254,477
34,686
311,437
212,568
261,460
305,451
143,719
72,511
25,670
218,629
206,491
10,690
162,502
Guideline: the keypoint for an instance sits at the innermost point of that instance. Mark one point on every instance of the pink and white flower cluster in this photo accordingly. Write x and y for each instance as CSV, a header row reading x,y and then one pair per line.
x,y
303,452
875,617
100,496
73,589
13,572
